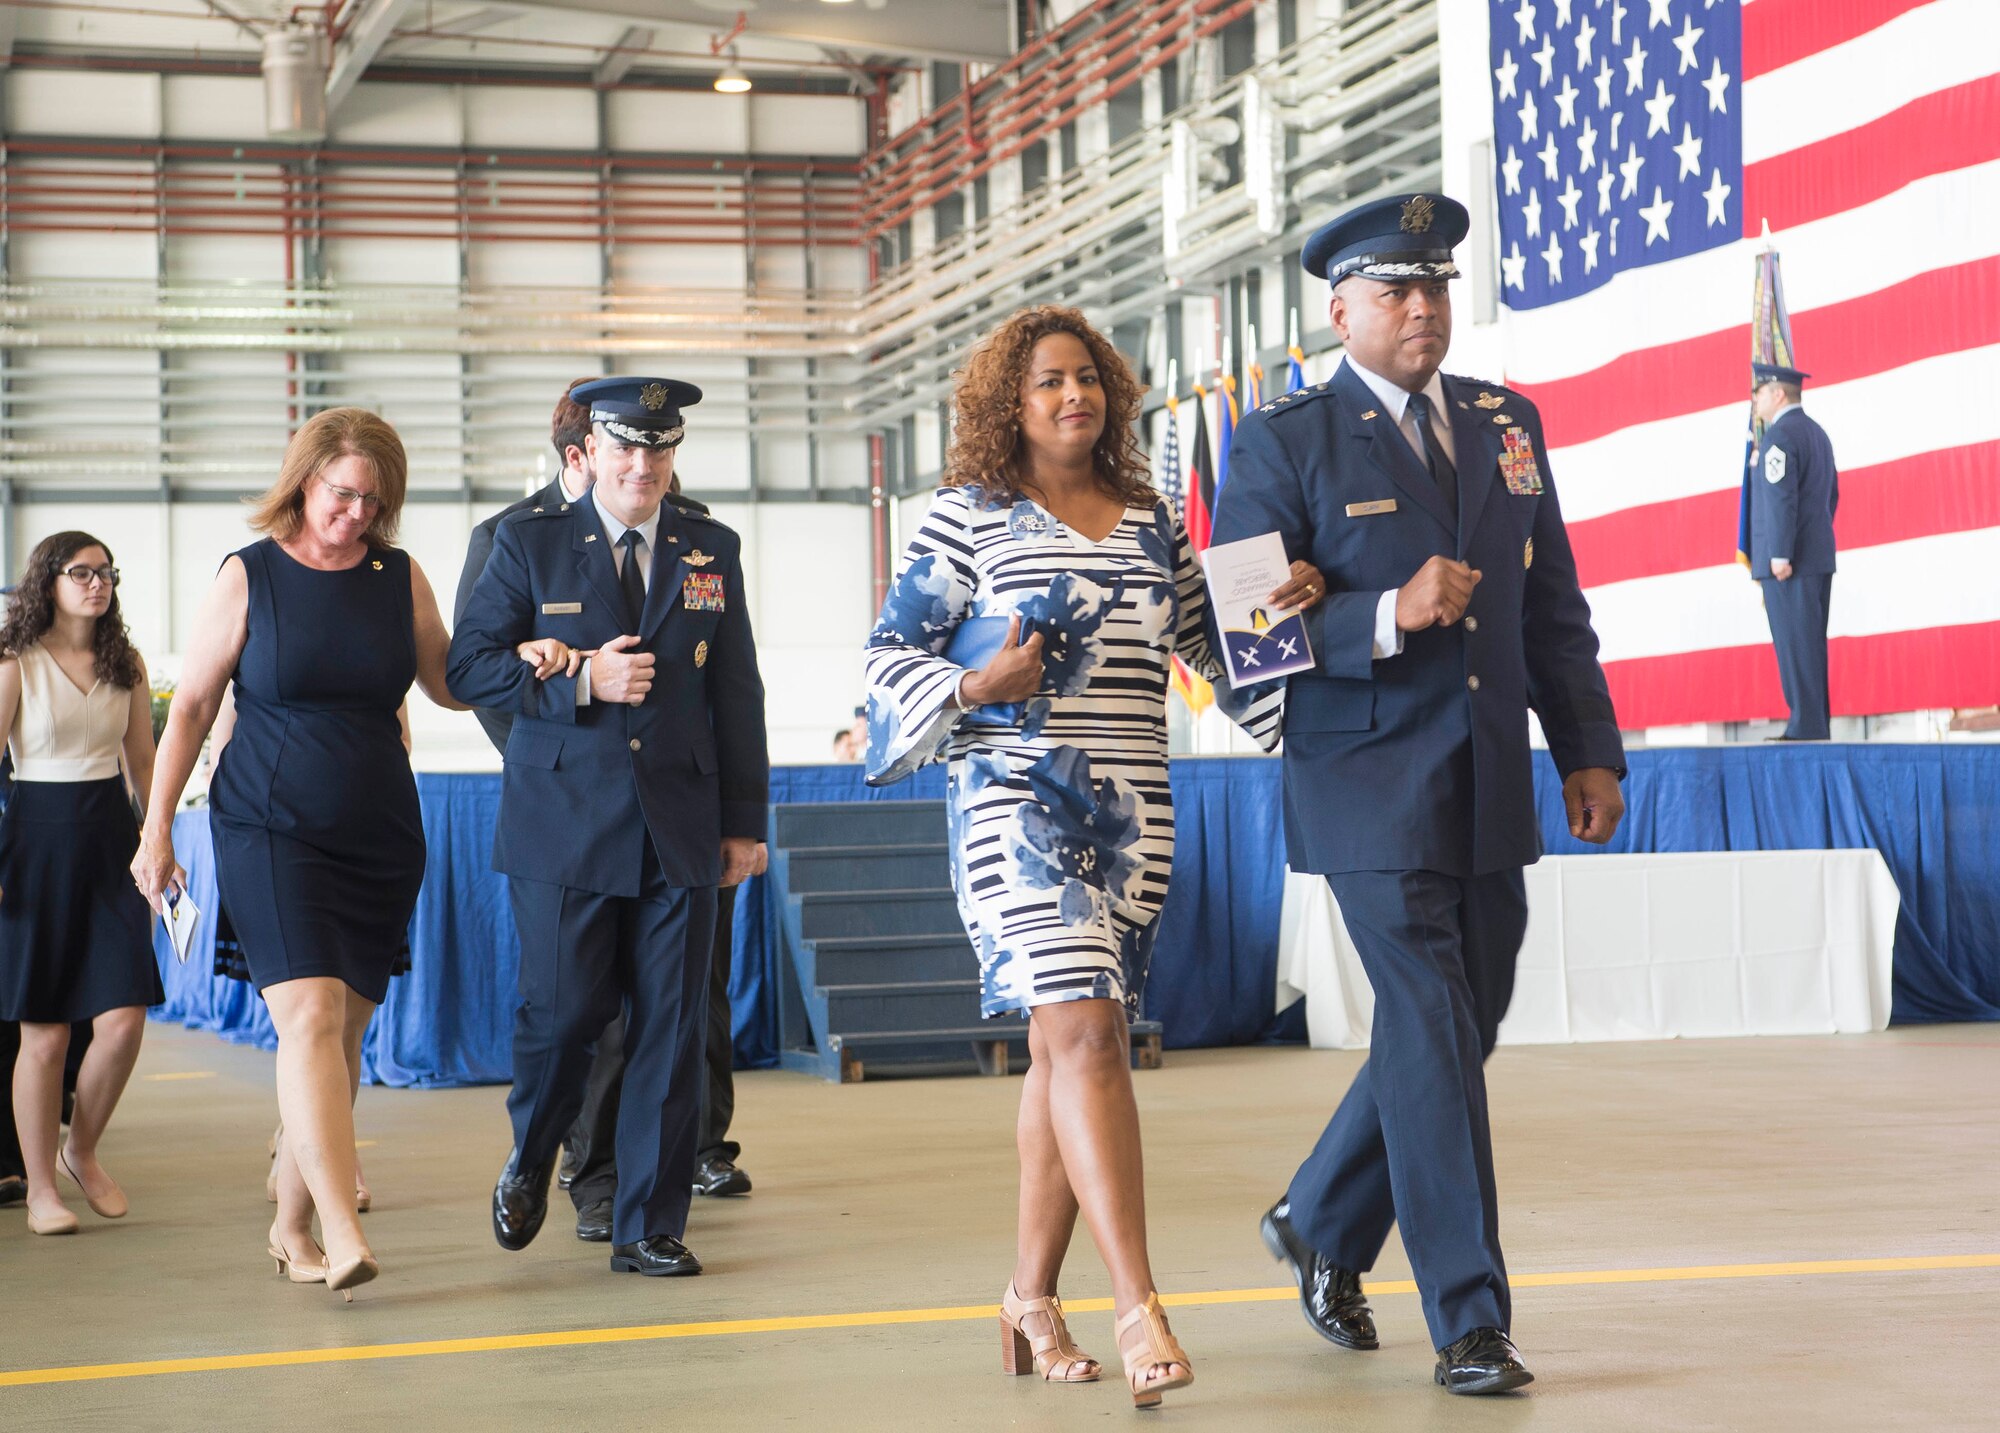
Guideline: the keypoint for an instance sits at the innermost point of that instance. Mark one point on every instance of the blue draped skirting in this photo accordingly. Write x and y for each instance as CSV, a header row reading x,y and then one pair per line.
x,y
1933,812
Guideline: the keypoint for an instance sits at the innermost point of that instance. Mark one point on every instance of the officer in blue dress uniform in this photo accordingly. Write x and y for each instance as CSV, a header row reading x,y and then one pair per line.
x,y
1794,491
1452,608
634,787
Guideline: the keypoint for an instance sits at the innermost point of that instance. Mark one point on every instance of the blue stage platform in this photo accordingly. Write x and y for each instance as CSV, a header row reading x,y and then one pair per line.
x,y
1933,812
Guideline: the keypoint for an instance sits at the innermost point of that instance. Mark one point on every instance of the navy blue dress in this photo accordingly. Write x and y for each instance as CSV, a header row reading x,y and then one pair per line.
x,y
319,844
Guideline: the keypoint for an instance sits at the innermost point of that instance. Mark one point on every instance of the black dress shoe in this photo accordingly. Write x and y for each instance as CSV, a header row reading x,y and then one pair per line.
x,y
1484,1361
13,1190
658,1256
1330,1295
718,1175
593,1222
520,1203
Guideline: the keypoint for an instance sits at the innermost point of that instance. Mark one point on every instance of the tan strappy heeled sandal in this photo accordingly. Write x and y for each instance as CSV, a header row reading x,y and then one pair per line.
x,y
1049,1353
1156,1352
297,1271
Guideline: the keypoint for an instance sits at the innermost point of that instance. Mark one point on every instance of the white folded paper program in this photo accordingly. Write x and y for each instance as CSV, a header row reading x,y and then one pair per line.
x,y
179,919
1259,641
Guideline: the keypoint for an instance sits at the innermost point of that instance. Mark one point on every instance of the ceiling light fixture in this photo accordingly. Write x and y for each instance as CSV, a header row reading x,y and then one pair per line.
x,y
732,80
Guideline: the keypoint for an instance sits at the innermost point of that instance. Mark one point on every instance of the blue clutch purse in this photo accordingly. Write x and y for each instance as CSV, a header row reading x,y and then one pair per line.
x,y
976,642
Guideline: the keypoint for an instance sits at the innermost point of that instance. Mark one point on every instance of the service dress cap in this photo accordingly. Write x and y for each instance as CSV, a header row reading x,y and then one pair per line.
x,y
1762,373
644,412
1408,236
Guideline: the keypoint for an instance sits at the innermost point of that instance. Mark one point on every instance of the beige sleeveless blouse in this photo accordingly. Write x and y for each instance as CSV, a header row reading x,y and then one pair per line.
x,y
60,733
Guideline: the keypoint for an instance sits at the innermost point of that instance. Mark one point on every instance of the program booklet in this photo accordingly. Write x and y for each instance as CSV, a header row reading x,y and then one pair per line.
x,y
1259,642
180,918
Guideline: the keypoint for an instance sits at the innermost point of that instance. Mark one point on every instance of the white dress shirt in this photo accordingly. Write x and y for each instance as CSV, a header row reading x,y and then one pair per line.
x,y
614,533
1395,401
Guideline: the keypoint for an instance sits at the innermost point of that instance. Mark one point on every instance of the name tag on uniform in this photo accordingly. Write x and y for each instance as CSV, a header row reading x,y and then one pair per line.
x,y
1371,509
702,592
561,609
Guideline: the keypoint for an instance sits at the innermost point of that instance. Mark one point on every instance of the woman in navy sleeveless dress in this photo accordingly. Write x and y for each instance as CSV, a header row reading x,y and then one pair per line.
x,y
319,844
318,840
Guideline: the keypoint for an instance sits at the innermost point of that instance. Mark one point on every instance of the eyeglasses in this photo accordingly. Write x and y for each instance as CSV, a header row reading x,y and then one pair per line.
x,y
83,576
347,497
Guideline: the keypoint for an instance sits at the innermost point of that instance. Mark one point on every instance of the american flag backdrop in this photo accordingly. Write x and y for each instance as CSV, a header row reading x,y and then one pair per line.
x,y
1641,147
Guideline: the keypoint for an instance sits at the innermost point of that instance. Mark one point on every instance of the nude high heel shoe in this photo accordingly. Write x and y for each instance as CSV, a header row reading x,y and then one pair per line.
x,y
1155,1352
352,1274
293,1269
1048,1352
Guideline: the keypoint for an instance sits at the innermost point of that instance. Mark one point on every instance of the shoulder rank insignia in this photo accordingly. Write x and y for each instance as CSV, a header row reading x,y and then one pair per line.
x,y
1488,400
697,558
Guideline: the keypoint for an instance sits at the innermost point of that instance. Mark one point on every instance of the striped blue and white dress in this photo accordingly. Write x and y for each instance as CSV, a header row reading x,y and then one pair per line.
x,y
1062,824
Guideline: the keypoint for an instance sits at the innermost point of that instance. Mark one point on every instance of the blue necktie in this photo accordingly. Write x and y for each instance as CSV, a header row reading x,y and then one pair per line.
x,y
1442,471
630,580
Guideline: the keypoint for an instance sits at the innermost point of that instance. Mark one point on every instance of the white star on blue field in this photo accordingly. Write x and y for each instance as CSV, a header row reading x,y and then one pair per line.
x,y
1618,137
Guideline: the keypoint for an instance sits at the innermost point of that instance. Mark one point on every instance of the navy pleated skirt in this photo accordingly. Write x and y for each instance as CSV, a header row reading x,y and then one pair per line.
x,y
76,937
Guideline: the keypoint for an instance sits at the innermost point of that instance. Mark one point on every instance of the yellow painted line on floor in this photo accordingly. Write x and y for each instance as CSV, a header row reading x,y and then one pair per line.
x,y
181,1075
882,1318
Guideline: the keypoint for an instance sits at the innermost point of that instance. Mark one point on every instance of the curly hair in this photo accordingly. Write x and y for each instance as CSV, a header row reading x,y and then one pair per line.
x,y
31,611
987,449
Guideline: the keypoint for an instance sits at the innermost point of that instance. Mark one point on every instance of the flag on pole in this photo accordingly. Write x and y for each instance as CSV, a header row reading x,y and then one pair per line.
x,y
1170,455
1770,342
1639,150
1295,373
1199,514
1225,430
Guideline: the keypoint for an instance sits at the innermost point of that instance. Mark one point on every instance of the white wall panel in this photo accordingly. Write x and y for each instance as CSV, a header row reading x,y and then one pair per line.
x,y
225,259
399,114
807,124
526,264
225,107
677,266
520,117
101,103
677,122
36,255
392,261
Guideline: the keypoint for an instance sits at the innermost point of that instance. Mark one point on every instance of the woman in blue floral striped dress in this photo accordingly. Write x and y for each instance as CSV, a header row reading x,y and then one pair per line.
x,y
1061,815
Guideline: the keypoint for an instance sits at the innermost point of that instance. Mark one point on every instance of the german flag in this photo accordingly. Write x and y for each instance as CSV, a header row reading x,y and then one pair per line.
x,y
1201,477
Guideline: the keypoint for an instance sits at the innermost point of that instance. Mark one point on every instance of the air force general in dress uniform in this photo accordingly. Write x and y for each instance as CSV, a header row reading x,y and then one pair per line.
x,y
1452,608
1794,493
632,790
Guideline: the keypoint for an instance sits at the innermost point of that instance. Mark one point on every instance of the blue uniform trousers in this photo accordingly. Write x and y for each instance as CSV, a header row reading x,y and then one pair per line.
x,y
1797,609
581,955
1410,1144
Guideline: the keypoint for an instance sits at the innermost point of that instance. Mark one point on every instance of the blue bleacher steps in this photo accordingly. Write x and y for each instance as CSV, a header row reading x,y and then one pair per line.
x,y
877,974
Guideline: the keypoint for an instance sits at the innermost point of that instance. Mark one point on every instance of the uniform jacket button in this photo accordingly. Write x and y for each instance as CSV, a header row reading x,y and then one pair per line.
x,y
1470,682
634,742
1472,624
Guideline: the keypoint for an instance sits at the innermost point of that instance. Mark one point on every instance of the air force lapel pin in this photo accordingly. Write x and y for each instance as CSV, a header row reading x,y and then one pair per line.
x,y
590,537
1369,414
701,654
1488,400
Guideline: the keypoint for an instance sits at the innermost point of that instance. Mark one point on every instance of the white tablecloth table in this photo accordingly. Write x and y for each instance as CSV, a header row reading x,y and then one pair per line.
x,y
1648,947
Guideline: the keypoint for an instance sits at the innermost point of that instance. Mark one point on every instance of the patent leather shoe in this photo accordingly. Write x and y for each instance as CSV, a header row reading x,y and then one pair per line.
x,y
1484,1361
1329,1295
658,1256
717,1175
520,1203
593,1222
